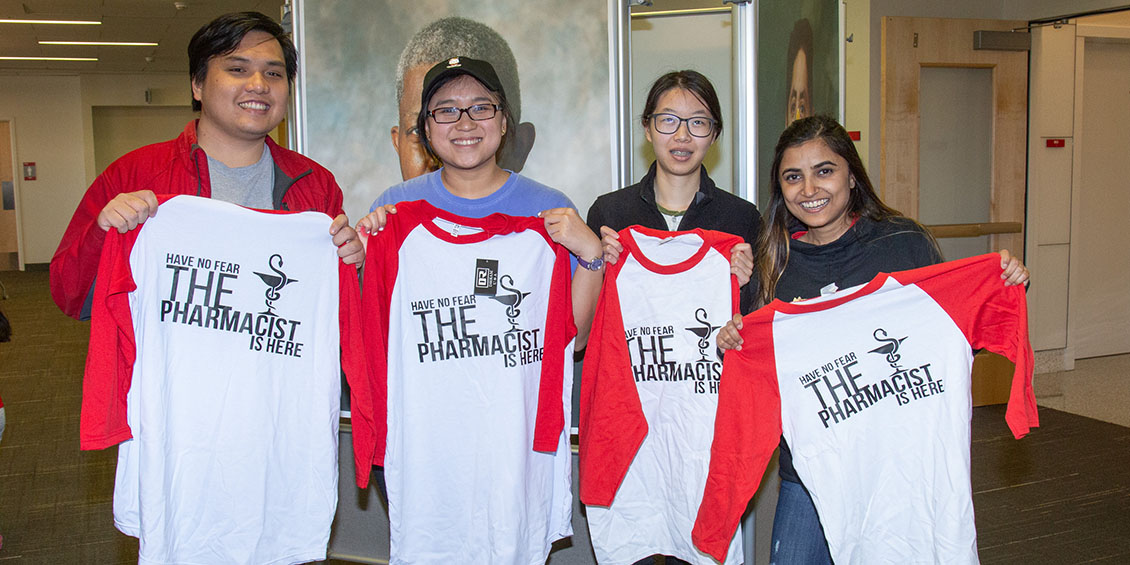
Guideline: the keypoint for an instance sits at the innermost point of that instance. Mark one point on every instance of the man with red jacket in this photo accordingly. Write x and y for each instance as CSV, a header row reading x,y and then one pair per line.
x,y
241,67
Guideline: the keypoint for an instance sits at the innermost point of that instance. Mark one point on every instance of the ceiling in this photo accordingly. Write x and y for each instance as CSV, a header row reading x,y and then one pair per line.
x,y
122,20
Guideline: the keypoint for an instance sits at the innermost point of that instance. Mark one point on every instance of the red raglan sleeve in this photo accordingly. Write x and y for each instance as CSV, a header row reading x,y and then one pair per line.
x,y
612,425
356,368
747,429
992,316
560,330
724,243
381,266
112,350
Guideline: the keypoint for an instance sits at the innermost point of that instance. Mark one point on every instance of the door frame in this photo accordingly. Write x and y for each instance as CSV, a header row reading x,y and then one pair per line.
x,y
17,172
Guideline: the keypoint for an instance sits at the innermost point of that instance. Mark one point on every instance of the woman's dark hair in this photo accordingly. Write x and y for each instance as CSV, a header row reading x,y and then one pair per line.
x,y
422,117
223,34
691,81
773,246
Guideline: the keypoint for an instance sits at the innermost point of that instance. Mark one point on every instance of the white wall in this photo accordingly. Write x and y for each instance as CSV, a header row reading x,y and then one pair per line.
x,y
53,128
47,113
168,89
121,129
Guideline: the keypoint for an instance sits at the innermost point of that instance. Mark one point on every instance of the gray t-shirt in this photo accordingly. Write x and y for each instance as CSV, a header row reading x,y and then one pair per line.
x,y
249,186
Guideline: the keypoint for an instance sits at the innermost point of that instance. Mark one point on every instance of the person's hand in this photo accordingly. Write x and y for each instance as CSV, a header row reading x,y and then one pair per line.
x,y
128,210
375,221
729,336
349,247
610,244
1014,271
741,262
566,227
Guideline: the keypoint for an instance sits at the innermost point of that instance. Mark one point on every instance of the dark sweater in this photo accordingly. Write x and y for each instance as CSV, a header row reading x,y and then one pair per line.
x,y
865,250
712,209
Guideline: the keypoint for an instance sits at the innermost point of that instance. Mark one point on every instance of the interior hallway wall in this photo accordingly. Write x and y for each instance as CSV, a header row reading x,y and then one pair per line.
x,y
54,129
46,112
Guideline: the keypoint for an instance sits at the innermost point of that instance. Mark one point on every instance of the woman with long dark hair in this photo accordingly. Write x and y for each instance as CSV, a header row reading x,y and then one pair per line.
x,y
827,230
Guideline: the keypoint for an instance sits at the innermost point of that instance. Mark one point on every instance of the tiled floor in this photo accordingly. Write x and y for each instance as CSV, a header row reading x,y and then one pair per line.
x,y
1060,496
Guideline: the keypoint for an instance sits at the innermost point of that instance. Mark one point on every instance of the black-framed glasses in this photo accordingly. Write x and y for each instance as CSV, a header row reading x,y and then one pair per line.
x,y
669,123
451,114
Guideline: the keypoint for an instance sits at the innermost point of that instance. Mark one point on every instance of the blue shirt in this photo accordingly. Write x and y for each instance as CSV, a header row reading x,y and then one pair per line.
x,y
518,196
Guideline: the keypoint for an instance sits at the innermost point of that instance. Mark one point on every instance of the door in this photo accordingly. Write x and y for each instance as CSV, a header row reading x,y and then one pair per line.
x,y
952,145
1100,305
9,240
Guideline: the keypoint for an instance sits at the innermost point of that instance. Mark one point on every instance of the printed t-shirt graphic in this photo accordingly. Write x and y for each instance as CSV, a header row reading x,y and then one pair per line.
x,y
872,388
650,391
214,361
471,346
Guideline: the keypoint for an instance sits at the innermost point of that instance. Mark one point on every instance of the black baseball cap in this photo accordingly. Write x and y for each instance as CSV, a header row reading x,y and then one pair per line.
x,y
481,70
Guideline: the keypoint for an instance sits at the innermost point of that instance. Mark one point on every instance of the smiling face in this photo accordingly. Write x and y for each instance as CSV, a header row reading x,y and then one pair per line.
x,y
243,94
679,153
816,185
466,144
414,158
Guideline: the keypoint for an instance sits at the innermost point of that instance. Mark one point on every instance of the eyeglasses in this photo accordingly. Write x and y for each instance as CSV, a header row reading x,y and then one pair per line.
x,y
669,123
451,114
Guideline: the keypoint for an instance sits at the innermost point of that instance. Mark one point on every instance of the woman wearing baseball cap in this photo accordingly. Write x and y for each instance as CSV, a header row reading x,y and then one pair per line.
x,y
463,122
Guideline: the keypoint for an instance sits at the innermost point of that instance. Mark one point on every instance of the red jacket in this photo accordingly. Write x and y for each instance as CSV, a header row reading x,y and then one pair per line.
x,y
177,166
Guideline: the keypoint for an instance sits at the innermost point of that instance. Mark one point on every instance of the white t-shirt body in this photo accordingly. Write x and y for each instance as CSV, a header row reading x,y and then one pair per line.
x,y
650,391
234,399
870,386
479,371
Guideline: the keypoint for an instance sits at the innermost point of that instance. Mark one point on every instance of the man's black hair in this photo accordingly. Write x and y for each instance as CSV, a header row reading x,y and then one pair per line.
x,y
223,34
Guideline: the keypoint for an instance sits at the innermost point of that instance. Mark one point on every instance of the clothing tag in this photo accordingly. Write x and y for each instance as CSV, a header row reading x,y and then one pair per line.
x,y
830,289
486,277
454,228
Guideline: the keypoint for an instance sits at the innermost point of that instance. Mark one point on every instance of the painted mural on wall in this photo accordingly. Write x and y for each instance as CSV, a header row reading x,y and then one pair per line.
x,y
798,68
364,68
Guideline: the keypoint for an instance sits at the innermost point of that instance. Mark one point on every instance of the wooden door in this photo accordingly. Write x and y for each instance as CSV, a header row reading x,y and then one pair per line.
x,y
917,47
9,244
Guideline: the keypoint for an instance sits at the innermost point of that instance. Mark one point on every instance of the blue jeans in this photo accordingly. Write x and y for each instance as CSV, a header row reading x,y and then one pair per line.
x,y
798,538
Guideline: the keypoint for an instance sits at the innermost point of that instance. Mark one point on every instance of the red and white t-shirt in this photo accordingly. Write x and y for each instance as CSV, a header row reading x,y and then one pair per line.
x,y
215,361
471,344
650,390
871,388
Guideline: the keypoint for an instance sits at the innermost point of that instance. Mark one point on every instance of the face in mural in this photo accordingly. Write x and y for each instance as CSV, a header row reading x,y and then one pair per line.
x,y
414,158
800,89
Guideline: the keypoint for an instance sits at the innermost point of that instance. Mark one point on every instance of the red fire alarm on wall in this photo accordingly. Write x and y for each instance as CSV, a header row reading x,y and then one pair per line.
x,y
1057,142
29,170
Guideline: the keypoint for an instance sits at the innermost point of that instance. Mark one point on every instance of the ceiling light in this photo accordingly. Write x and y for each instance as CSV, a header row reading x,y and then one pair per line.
x,y
60,22
113,43
48,58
